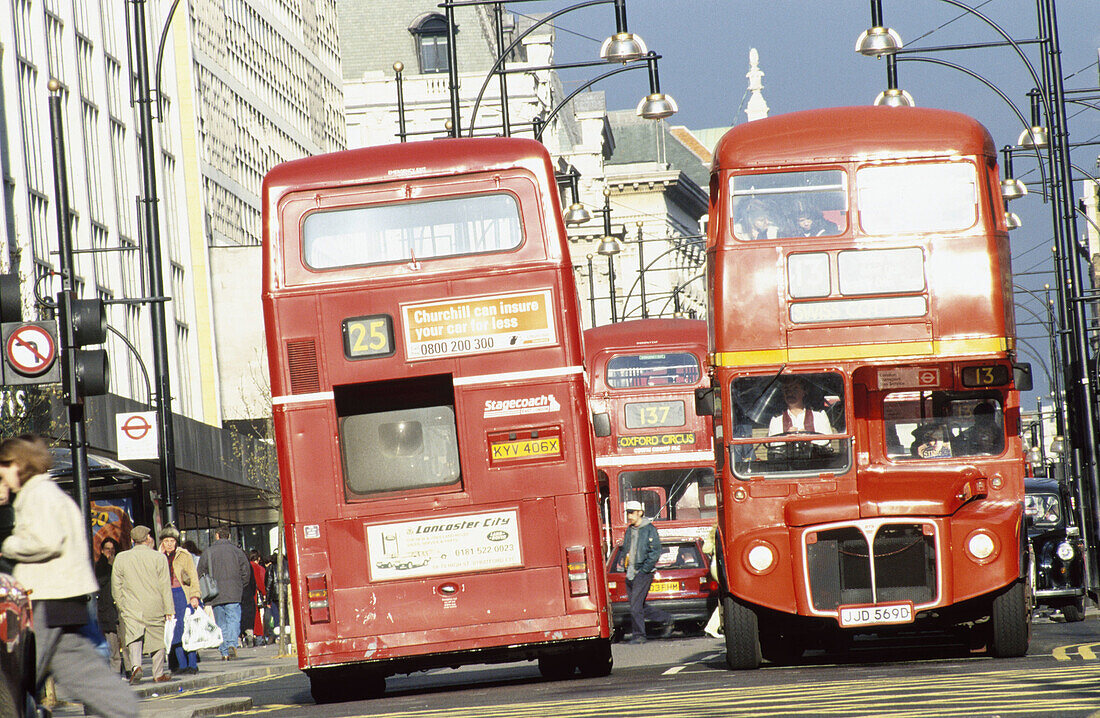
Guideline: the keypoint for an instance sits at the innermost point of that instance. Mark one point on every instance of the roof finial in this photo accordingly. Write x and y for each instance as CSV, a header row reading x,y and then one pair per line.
x,y
757,107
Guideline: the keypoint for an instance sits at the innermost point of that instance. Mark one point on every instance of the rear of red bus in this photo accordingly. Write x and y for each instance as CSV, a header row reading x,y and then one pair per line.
x,y
651,445
431,424
860,287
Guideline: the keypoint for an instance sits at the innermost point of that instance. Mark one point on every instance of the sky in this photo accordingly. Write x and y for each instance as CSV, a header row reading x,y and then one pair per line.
x,y
807,54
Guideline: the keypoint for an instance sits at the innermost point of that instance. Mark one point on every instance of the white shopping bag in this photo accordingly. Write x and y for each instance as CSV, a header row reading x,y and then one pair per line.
x,y
200,631
169,629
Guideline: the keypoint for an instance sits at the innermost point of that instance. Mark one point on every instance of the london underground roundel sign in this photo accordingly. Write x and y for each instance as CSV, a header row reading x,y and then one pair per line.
x,y
30,350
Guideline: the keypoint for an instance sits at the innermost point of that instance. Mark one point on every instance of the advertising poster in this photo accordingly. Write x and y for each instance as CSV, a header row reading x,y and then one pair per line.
x,y
111,518
434,547
477,325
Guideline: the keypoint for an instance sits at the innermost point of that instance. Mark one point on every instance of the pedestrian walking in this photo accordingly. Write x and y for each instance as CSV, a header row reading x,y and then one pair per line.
x,y
227,564
143,593
185,593
106,610
642,546
255,631
49,546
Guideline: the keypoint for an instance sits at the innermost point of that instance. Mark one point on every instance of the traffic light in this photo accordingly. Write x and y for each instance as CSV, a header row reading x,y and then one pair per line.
x,y
83,371
11,303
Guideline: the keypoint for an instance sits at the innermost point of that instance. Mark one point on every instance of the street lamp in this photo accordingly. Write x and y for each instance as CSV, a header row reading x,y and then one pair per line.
x,y
609,247
576,214
624,46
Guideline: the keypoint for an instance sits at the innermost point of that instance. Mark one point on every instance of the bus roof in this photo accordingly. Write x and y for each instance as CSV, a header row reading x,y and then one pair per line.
x,y
840,133
644,333
409,160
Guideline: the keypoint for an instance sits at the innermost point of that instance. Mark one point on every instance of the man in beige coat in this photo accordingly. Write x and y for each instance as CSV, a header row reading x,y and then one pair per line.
x,y
143,593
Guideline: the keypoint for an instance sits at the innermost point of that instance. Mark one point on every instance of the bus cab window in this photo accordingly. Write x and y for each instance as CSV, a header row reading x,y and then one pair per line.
x,y
942,424
780,205
775,412
681,494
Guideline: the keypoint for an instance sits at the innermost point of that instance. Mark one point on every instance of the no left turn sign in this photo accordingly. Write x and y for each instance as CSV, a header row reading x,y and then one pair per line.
x,y
30,350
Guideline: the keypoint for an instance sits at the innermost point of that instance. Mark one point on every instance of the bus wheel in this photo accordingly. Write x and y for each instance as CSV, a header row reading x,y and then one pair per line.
x,y
1010,622
742,633
1074,612
594,661
557,666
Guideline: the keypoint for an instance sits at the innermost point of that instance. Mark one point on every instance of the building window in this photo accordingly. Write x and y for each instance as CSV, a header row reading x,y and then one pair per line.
x,y
431,43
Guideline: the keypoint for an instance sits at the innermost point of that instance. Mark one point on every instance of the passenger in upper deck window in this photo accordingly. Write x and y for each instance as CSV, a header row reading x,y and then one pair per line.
x,y
758,221
985,436
809,222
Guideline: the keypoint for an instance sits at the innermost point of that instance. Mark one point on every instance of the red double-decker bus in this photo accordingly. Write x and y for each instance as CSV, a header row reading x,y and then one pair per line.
x,y
434,445
871,469
651,445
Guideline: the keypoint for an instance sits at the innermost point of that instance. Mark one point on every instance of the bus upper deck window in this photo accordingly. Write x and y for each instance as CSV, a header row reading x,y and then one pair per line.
x,y
910,198
795,421
628,371
407,231
789,204
943,424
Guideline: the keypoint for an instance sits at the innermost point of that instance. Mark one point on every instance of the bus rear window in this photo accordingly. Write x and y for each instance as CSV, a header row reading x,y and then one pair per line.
x,y
627,371
789,204
411,231
939,197
398,436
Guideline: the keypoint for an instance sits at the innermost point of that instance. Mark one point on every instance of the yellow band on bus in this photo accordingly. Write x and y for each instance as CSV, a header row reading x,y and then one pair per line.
x,y
947,347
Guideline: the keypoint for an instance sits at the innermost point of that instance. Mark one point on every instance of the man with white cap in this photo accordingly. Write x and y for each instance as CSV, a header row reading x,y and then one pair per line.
x,y
642,546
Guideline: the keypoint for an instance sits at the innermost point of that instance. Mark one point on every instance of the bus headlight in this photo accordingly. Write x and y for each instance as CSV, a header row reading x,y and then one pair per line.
x,y
981,546
1065,551
761,557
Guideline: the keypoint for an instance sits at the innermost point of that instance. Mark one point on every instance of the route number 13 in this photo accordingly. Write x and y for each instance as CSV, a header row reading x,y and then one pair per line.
x,y
366,337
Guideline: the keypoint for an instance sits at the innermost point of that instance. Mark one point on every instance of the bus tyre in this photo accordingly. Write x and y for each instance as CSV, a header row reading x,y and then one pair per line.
x,y
557,666
782,649
742,634
328,689
1074,612
594,661
1010,622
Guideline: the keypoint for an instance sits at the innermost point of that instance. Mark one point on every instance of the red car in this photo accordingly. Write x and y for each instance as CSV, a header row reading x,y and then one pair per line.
x,y
682,585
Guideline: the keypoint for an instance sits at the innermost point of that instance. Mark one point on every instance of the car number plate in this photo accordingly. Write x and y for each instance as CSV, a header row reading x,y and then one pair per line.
x,y
881,614
664,587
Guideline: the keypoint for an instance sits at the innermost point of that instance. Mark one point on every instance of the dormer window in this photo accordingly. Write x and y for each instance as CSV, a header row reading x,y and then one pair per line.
x,y
431,43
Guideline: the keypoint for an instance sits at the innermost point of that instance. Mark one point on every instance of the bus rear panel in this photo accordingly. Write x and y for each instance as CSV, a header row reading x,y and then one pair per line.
x,y
430,413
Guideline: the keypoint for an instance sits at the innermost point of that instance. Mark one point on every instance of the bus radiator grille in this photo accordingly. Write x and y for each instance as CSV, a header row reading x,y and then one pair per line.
x,y
839,564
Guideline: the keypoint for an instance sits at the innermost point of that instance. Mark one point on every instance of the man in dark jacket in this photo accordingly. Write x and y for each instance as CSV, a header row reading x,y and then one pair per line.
x,y
642,546
227,564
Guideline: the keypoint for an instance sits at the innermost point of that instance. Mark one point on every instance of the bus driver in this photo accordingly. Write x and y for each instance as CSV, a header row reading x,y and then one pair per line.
x,y
798,418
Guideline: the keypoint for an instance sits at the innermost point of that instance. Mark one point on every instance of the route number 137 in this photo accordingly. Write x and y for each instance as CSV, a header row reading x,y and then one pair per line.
x,y
368,336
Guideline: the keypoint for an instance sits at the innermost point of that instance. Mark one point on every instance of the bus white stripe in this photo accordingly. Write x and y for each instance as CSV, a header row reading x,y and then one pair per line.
x,y
300,398
669,458
518,375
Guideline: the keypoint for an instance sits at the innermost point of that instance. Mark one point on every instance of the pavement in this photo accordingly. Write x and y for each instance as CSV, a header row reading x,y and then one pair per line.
x,y
185,696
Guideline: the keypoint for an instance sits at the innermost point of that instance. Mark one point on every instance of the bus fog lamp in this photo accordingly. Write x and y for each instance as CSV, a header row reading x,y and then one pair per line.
x,y
761,558
980,546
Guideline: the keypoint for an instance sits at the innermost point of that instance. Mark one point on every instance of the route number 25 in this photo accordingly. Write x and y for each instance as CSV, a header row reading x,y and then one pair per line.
x,y
368,336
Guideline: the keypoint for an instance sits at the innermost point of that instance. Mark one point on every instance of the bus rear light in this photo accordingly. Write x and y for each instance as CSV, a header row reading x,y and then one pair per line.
x,y
576,564
317,598
981,546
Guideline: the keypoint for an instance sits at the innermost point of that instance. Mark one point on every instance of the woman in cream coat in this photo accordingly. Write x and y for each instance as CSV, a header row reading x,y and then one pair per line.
x,y
185,592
